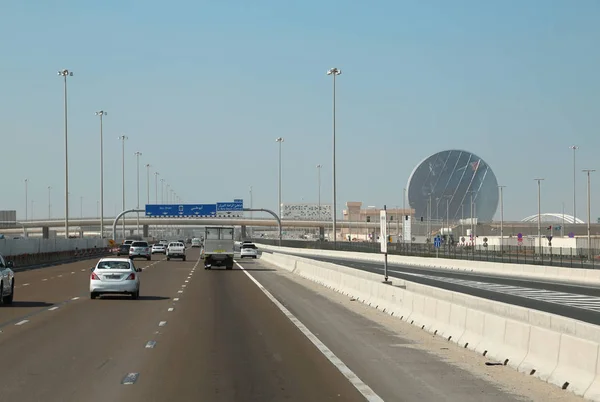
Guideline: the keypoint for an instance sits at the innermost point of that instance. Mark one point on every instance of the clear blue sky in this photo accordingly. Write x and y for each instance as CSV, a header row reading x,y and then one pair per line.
x,y
203,88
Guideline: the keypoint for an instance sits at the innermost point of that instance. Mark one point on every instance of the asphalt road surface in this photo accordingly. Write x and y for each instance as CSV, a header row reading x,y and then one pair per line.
x,y
573,301
215,336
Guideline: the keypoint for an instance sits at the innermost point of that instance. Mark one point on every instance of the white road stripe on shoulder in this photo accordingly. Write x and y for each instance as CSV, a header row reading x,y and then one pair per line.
x,y
360,386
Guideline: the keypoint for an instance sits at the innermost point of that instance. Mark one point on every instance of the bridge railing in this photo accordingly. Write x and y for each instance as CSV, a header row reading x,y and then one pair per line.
x,y
550,256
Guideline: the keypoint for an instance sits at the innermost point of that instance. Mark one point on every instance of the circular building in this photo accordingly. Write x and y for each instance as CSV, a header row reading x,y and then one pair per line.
x,y
446,181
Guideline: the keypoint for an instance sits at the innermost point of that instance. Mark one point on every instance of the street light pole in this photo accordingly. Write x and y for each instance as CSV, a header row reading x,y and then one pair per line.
x,y
148,181
574,148
101,113
319,166
49,203
81,207
162,191
589,217
334,72
501,218
539,182
123,138
26,196
156,174
280,208
66,73
137,155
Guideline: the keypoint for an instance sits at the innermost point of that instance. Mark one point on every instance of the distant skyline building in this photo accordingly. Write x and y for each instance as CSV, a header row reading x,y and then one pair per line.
x,y
447,179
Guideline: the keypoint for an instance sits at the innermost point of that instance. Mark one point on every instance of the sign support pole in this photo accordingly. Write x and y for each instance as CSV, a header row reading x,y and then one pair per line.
x,y
384,241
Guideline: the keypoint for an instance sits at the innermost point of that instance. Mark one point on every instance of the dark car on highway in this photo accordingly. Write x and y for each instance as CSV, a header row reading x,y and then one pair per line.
x,y
123,249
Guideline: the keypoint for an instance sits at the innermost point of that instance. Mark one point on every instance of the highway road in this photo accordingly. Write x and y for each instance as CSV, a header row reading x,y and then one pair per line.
x,y
574,301
244,335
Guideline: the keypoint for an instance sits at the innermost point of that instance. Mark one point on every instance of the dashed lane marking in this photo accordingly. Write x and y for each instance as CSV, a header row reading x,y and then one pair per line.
x,y
170,309
150,344
130,378
22,322
360,386
162,323
53,308
176,299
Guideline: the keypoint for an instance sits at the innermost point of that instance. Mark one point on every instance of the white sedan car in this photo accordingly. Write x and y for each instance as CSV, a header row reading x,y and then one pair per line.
x,y
248,250
115,276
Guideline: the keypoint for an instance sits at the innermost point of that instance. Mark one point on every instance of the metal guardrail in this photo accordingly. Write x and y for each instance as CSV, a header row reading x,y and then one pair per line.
x,y
552,256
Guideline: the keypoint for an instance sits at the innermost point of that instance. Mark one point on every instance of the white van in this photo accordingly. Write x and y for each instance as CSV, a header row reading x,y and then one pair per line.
x,y
196,242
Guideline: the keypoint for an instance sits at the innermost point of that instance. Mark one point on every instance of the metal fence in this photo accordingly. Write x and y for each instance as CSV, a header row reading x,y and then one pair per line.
x,y
551,256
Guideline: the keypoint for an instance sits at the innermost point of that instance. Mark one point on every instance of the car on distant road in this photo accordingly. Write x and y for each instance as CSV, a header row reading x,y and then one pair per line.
x,y
248,250
176,249
196,242
128,242
140,249
159,249
7,279
123,249
115,276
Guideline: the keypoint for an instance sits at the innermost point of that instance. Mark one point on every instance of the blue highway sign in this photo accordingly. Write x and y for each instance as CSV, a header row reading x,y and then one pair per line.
x,y
237,205
437,242
181,210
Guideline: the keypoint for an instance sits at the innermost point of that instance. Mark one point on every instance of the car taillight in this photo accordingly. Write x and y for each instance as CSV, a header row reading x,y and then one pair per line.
x,y
95,277
131,277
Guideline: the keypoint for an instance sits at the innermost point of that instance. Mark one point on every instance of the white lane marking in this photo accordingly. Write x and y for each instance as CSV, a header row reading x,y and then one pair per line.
x,y
22,322
25,284
73,272
180,291
170,309
360,386
162,323
150,344
82,270
75,298
183,286
176,299
53,308
130,378
186,281
44,280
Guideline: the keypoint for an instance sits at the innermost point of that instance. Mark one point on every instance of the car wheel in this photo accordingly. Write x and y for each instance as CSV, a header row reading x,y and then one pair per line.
x,y
135,295
254,256
149,258
9,299
93,295
168,258
183,258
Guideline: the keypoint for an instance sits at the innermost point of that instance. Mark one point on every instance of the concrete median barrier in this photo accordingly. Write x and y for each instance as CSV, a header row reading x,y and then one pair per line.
x,y
562,351
537,272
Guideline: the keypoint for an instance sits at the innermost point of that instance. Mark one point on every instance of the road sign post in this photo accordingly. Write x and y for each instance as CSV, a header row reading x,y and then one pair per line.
x,y
437,242
384,240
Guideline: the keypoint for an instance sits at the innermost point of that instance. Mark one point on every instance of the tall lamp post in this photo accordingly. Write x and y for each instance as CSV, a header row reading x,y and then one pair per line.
x,y
334,72
49,203
319,166
137,155
539,219
66,73
589,217
162,191
101,113
123,138
574,148
148,181
156,174
280,140
26,196
501,188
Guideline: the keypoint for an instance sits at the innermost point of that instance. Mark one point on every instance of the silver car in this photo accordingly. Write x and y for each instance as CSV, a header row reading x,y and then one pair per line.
x,y
7,290
140,249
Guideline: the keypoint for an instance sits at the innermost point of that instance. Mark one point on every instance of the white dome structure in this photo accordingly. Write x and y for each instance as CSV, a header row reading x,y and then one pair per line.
x,y
553,218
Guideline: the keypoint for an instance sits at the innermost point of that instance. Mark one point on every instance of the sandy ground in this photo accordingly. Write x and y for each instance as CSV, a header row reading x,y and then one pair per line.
x,y
506,378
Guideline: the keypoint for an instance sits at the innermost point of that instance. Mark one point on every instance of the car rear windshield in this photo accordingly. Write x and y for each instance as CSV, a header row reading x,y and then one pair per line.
x,y
139,244
248,246
113,265
125,247
176,245
158,245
